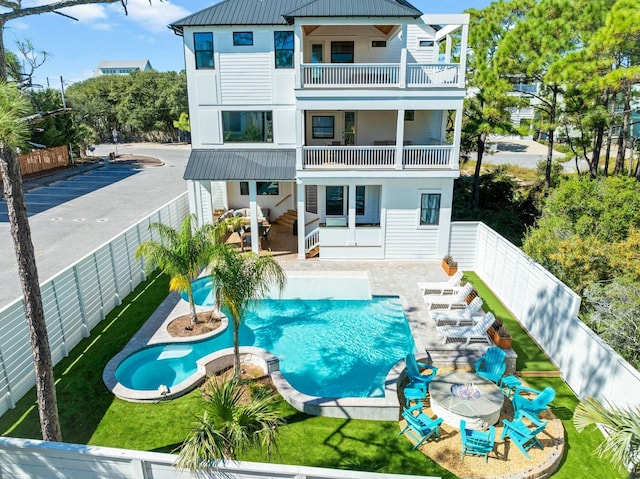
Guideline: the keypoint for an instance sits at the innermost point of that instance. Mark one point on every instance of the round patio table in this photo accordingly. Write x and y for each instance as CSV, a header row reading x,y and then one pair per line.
x,y
479,403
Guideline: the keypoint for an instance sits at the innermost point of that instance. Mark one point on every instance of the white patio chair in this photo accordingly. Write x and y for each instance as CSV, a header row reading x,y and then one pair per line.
x,y
459,317
441,287
469,333
451,301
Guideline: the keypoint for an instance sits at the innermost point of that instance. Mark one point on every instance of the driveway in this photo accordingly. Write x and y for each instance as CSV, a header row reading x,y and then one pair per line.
x,y
524,152
70,217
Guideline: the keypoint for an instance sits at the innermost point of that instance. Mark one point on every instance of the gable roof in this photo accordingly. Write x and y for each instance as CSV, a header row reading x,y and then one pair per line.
x,y
282,12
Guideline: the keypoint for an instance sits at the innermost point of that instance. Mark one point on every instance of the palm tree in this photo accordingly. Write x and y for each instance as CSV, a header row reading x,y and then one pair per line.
x,y
181,253
230,425
621,444
240,280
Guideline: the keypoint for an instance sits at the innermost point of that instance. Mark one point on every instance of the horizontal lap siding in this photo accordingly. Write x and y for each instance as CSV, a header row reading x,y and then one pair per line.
x,y
404,240
245,78
464,243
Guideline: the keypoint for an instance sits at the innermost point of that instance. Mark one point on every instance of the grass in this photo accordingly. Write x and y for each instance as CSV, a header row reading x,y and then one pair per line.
x,y
89,414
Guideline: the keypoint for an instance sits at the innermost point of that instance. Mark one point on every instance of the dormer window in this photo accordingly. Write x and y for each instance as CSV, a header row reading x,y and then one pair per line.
x,y
242,39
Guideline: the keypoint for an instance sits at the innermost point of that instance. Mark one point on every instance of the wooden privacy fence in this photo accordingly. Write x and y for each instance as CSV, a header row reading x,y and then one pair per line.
x,y
43,160
75,300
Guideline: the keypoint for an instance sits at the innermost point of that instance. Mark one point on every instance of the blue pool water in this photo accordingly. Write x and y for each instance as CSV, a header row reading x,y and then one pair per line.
x,y
202,292
327,348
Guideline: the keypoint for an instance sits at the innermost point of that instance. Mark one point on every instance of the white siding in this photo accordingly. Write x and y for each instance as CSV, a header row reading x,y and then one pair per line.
x,y
404,240
206,89
415,53
245,78
208,127
284,126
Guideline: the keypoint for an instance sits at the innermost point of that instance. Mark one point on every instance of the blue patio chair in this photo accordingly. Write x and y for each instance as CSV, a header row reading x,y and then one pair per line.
x,y
413,371
523,436
535,405
477,443
492,364
419,427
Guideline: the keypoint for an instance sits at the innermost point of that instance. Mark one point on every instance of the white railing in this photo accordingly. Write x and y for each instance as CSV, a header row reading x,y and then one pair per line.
x,y
312,240
76,300
435,74
348,156
32,458
427,156
351,74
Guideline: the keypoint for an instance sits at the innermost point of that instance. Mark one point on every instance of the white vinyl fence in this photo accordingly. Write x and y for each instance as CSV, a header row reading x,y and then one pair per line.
x,y
27,458
549,311
75,300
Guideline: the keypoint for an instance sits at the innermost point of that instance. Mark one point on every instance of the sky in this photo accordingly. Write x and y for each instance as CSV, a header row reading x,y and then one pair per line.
x,y
104,32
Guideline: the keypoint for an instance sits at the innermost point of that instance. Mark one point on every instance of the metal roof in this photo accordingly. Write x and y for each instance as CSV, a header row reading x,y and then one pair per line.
x,y
140,64
281,12
250,164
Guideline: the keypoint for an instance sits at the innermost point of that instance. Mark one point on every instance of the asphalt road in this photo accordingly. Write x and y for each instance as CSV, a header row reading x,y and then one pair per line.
x,y
70,217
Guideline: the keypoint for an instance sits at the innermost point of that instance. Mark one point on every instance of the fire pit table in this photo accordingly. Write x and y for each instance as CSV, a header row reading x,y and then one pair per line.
x,y
464,395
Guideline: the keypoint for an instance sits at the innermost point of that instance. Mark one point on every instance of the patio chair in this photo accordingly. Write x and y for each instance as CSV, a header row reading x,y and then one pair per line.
x,y
523,436
478,331
491,364
451,301
477,443
440,287
459,317
413,371
419,427
535,405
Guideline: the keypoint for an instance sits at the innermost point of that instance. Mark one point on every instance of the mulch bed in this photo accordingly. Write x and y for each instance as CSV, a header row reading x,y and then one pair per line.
x,y
181,327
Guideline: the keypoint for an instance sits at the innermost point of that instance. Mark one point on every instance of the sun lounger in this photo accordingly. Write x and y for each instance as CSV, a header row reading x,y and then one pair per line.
x,y
459,317
469,333
441,287
451,301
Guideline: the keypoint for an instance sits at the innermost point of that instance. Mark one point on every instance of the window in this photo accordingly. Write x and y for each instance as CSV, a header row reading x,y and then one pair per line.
x,y
360,191
283,48
378,43
203,50
425,43
311,198
341,52
270,188
334,200
322,126
409,115
429,208
242,39
247,126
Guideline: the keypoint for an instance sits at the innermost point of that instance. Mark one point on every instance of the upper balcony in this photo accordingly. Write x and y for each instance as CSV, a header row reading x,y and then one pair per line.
x,y
380,75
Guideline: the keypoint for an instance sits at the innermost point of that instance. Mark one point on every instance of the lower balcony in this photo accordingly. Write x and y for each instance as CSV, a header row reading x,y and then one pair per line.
x,y
378,157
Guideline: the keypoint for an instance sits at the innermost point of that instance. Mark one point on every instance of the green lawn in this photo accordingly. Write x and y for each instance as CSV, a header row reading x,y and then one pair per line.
x,y
90,414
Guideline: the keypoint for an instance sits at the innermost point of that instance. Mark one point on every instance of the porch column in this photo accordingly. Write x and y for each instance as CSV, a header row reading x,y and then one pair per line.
x,y
463,56
402,79
300,135
253,211
207,202
351,215
193,207
447,51
457,134
399,139
301,216
297,53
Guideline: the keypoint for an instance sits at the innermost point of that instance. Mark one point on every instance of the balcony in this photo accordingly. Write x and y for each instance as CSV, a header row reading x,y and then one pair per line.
x,y
420,157
379,75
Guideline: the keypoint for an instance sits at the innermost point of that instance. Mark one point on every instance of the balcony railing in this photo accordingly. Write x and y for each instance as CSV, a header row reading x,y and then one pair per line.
x,y
340,157
329,75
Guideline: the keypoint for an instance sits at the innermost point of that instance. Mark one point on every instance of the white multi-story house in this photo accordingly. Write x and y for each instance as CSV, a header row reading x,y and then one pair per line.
x,y
346,112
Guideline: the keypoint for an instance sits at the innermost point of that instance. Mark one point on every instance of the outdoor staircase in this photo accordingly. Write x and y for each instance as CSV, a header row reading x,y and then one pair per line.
x,y
314,252
287,219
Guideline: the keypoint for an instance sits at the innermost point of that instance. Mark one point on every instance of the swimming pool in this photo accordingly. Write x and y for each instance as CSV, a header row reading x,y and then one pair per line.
x,y
326,348
203,294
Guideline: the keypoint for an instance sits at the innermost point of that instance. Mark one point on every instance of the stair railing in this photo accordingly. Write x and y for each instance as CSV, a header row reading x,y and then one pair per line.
x,y
312,240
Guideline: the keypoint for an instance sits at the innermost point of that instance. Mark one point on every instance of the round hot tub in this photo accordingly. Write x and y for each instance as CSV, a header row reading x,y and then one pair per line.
x,y
464,395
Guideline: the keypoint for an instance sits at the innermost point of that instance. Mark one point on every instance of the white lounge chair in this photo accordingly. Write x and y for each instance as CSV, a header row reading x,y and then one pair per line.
x,y
451,301
459,317
469,333
441,287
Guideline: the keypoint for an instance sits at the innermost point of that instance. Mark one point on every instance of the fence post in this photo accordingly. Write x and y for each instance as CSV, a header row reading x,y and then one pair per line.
x,y
115,274
60,320
83,312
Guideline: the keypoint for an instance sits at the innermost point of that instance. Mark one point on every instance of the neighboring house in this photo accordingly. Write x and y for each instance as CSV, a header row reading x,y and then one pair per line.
x,y
339,111
122,67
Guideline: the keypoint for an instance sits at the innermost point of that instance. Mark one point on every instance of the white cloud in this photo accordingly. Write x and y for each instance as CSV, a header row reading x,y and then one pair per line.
x,y
155,16
105,27
18,25
85,13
